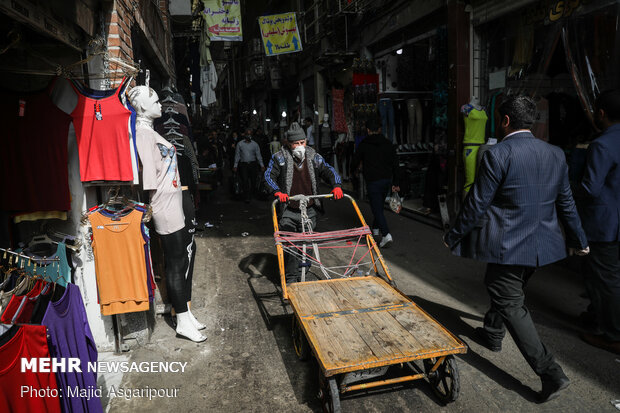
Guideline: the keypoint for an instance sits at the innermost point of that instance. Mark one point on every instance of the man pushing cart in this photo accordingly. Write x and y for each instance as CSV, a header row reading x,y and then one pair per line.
x,y
349,314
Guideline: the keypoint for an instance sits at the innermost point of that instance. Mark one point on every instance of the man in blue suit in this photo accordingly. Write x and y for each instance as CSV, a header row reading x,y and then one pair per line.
x,y
510,220
600,213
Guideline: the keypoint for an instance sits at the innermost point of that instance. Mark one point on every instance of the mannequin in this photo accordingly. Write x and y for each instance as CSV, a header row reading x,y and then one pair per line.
x,y
475,119
325,139
161,178
275,145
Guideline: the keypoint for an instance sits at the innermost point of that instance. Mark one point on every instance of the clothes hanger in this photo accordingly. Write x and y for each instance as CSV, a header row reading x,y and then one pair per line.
x,y
170,109
169,98
171,120
174,132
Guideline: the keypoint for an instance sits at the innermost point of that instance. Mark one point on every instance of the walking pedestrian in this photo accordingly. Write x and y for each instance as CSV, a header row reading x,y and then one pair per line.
x,y
521,187
377,157
601,222
247,161
294,170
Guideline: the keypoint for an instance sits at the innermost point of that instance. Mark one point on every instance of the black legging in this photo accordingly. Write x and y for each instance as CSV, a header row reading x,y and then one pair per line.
x,y
176,262
190,245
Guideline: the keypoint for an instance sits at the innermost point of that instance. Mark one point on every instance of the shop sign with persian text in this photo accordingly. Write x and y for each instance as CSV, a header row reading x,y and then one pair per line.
x,y
280,34
223,19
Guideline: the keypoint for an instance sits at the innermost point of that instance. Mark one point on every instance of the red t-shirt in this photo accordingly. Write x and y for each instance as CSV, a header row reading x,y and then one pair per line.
x,y
22,305
17,389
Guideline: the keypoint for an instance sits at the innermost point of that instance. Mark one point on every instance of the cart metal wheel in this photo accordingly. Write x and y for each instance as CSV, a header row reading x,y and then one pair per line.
x,y
445,380
329,394
302,349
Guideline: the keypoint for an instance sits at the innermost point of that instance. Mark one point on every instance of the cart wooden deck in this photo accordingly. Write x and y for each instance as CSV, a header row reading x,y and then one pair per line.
x,y
360,323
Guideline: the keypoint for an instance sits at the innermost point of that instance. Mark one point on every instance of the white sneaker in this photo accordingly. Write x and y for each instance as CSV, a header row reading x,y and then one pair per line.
x,y
386,241
375,232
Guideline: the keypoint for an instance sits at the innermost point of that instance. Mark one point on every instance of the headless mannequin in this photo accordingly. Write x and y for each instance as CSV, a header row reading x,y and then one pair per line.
x,y
147,106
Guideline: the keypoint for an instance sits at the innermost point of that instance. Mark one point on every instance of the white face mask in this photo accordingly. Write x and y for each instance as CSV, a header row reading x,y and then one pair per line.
x,y
299,152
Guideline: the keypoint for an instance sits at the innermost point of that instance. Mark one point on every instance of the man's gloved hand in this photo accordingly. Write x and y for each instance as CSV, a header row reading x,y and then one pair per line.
x,y
281,196
337,193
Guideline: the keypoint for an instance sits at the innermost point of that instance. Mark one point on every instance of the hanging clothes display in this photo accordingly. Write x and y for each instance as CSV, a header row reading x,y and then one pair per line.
x,y
103,136
25,342
339,121
59,314
70,337
57,267
98,94
208,83
120,262
20,307
34,136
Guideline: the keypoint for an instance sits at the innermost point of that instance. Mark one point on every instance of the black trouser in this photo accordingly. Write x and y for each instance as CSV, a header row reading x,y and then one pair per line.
x,y
291,222
603,285
176,261
190,245
505,285
377,192
248,173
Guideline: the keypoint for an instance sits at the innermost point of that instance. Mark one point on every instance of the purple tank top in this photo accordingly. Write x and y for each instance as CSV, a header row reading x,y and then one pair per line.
x,y
70,336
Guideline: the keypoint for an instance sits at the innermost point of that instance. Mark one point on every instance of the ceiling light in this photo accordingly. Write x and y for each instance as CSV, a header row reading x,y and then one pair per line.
x,y
399,51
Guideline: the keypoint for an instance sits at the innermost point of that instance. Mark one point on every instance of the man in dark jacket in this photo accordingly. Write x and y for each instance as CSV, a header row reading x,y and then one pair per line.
x,y
521,187
294,170
601,220
379,164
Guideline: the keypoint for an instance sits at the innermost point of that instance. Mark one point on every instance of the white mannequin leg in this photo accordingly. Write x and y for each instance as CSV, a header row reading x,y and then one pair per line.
x,y
195,322
186,328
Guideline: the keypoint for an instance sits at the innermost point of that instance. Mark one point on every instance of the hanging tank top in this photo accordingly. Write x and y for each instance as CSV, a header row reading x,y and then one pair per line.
x,y
54,271
102,132
29,342
120,262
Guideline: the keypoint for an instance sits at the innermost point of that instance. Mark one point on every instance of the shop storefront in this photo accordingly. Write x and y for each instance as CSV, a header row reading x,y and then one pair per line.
x,y
412,100
563,54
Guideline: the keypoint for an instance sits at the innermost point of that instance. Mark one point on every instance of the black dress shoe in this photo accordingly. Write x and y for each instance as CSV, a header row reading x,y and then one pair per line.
x,y
483,338
601,342
552,388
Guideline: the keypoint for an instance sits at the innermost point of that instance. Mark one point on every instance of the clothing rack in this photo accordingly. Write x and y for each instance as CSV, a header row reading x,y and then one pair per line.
x,y
27,257
404,94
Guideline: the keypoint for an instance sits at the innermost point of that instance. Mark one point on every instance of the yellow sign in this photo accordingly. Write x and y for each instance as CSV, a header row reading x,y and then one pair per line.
x,y
280,34
223,19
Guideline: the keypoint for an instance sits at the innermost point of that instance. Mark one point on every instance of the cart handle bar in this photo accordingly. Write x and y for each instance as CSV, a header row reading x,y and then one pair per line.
x,y
300,197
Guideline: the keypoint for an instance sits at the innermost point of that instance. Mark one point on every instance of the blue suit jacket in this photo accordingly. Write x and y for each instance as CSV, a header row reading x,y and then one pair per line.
x,y
600,210
513,206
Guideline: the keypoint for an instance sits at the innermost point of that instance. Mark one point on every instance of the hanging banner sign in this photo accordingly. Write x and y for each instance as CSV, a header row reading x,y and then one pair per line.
x,y
223,19
280,34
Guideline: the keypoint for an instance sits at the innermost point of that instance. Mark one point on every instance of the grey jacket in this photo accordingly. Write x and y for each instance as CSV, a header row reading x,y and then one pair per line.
x,y
279,172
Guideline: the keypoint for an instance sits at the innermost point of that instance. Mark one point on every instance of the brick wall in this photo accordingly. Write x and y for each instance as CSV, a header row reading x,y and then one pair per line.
x,y
119,22
122,16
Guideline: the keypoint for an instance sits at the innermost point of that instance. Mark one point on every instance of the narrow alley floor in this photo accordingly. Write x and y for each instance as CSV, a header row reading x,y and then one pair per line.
x,y
248,363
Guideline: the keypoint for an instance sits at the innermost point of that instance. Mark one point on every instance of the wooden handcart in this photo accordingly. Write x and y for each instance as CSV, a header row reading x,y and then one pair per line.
x,y
356,323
